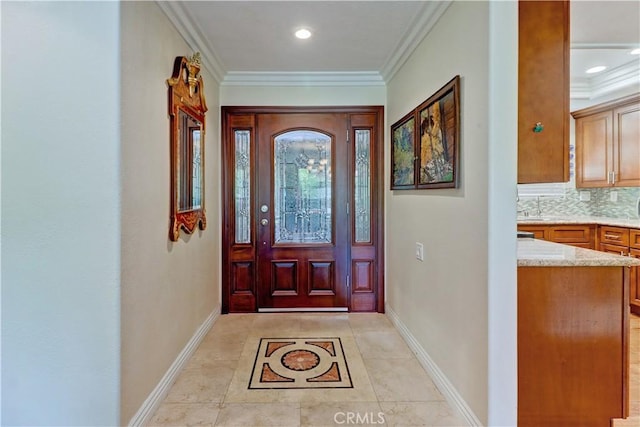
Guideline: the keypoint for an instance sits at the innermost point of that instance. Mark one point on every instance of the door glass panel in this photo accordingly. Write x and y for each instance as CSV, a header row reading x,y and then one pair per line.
x,y
302,187
362,184
242,186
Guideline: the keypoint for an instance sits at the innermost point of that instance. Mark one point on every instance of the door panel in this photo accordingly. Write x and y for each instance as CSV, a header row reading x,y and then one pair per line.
x,y
302,172
302,208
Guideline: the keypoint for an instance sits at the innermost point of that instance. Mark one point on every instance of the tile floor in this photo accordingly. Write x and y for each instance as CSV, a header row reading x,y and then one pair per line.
x,y
390,388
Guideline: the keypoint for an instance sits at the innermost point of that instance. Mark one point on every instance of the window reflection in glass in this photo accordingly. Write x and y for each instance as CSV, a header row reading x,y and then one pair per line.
x,y
190,164
362,184
242,186
302,190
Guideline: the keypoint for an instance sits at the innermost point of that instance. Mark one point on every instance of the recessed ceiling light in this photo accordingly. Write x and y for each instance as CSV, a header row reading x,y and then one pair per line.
x,y
303,33
635,51
596,69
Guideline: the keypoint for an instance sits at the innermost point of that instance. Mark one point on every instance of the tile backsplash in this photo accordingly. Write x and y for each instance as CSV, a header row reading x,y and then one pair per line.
x,y
600,203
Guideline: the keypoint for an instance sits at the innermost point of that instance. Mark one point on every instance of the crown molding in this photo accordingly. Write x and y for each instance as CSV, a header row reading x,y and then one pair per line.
x,y
580,88
250,78
192,34
421,25
418,29
597,86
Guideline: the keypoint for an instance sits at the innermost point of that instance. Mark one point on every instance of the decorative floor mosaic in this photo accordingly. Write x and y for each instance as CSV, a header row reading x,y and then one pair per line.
x,y
283,363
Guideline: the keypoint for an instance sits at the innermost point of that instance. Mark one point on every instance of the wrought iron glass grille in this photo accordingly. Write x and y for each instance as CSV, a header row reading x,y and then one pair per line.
x,y
242,186
302,187
362,184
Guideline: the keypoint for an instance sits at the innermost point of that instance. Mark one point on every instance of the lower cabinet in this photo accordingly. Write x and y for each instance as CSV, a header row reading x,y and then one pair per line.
x,y
581,235
616,240
634,285
572,346
626,242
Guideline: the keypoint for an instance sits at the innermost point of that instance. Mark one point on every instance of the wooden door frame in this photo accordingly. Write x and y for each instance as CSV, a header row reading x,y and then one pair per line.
x,y
243,117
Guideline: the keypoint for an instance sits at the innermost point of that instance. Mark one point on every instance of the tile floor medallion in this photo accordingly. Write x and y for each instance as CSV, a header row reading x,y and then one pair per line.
x,y
300,363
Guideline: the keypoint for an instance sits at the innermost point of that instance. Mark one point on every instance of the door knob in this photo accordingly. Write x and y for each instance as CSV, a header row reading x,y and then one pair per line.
x,y
264,221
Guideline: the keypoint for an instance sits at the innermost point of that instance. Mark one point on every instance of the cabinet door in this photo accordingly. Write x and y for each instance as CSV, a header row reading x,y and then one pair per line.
x,y
539,231
614,249
634,284
543,91
594,150
626,147
634,238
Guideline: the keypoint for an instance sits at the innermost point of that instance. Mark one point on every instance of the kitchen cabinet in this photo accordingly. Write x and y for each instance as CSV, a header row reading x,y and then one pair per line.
x,y
573,346
634,283
608,144
614,236
580,235
626,242
543,91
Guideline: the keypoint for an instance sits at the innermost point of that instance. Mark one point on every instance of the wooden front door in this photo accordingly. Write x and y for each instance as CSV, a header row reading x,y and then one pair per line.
x,y
302,209
302,237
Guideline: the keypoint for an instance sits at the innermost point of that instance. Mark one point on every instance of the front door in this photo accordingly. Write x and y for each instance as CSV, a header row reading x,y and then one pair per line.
x,y
303,234
302,211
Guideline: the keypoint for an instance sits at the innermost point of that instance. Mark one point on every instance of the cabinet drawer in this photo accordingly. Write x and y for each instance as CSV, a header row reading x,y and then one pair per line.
x,y
634,238
571,234
614,249
539,231
614,236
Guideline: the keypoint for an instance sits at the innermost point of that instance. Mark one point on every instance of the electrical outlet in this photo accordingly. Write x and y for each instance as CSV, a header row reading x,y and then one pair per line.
x,y
613,196
419,251
585,195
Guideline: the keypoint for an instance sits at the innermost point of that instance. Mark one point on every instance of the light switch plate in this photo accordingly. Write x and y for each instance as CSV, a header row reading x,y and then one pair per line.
x,y
419,251
585,195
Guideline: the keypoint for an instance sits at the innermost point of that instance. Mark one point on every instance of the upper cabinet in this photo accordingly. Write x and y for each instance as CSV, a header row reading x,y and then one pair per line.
x,y
543,92
608,144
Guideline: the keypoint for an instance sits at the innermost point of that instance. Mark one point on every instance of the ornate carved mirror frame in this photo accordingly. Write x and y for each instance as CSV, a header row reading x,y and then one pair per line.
x,y
187,108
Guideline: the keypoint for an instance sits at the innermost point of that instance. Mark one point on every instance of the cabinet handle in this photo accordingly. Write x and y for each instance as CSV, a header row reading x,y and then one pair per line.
x,y
609,177
613,177
611,236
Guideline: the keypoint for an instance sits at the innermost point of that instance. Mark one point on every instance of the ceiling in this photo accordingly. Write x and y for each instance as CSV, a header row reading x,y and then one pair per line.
x,y
603,33
367,41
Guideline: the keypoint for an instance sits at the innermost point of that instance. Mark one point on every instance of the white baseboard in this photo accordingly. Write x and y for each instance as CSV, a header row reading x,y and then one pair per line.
x,y
439,378
153,401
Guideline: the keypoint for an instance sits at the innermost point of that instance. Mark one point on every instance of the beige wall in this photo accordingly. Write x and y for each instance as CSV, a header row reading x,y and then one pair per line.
x,y
444,301
168,289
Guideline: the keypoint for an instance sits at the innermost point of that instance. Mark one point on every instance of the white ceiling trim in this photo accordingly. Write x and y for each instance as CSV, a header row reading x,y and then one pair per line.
x,y
249,78
618,78
423,22
615,79
192,34
416,32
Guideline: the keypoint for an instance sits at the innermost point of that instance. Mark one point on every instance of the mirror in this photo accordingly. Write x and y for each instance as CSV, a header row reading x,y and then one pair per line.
x,y
187,109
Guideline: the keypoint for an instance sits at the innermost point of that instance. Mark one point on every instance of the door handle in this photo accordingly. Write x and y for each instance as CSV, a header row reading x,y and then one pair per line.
x,y
264,221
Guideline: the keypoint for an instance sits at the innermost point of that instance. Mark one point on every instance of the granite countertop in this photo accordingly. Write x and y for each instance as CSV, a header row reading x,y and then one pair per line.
x,y
599,220
541,253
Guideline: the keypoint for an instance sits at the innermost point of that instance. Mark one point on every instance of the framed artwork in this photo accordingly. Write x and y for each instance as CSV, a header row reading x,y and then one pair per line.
x,y
426,142
439,138
403,153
